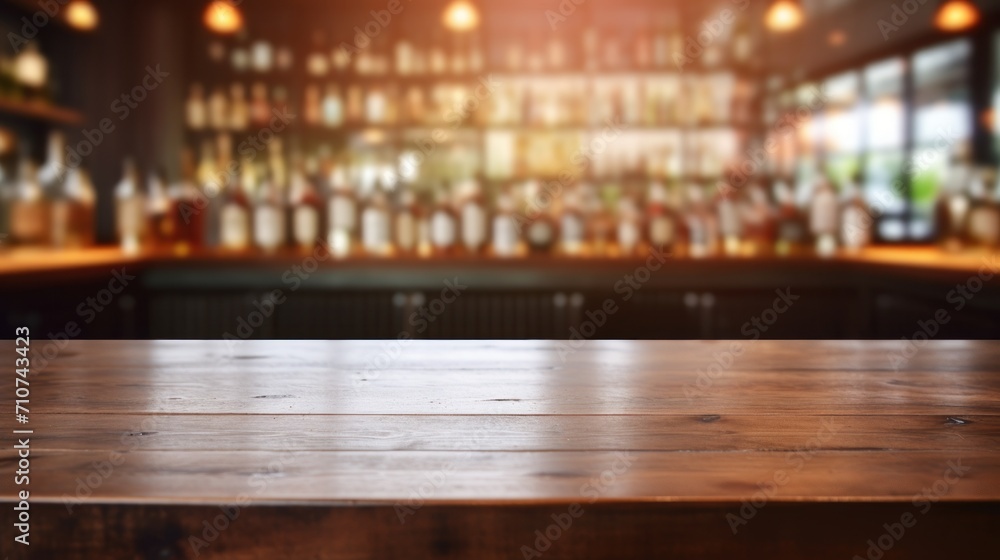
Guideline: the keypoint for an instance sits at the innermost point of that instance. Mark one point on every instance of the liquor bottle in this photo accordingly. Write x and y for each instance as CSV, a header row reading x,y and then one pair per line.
x,y
855,219
662,222
306,209
130,211
952,207
984,212
354,106
218,110
376,106
239,109
473,217
406,223
506,230
702,224
792,227
260,108
823,218
333,107
730,222
73,211
415,105
405,55
600,222
376,237
269,216
196,109
52,174
212,186
30,212
342,211
443,226
759,228
541,230
234,214
572,224
629,231
312,106
188,207
158,215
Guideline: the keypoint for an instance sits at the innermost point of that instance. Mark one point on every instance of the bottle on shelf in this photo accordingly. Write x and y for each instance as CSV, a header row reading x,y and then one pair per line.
x,y
823,218
376,224
443,224
29,213
730,222
234,212
855,219
702,224
260,108
663,224
406,223
952,207
269,215
239,108
333,107
759,228
791,224
306,209
188,207
629,231
218,110
541,231
342,212
211,185
474,219
312,106
506,228
573,223
158,214
984,211
130,209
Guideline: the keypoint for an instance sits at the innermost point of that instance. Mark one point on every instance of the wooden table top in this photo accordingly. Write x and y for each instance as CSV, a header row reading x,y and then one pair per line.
x,y
519,422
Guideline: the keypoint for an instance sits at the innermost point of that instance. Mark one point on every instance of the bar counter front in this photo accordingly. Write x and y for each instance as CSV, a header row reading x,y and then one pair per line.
x,y
510,449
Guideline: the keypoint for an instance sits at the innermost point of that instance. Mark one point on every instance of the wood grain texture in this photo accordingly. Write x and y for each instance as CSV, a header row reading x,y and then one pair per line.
x,y
485,441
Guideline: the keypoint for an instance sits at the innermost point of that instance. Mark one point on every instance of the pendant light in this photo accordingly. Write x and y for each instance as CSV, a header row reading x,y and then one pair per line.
x,y
82,15
223,17
956,15
784,16
461,15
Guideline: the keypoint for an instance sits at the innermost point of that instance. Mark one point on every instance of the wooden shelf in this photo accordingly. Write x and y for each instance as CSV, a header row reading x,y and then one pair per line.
x,y
40,111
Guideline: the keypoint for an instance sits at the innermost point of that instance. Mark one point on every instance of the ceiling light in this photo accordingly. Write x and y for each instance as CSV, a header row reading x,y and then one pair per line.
x,y
223,17
956,15
82,15
461,15
784,16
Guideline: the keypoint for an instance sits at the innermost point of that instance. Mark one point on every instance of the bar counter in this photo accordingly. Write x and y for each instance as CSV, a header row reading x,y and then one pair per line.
x,y
511,449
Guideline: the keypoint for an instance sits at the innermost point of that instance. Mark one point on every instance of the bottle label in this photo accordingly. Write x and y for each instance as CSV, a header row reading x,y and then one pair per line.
x,y
442,230
234,227
342,213
305,225
269,227
473,226
504,236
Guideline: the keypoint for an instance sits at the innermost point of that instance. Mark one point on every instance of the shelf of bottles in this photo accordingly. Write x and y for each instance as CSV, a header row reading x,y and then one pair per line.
x,y
908,153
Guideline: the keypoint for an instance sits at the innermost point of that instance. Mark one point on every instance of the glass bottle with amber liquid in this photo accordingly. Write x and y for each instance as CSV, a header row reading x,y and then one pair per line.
x,y
234,214
30,212
187,207
306,209
130,209
159,218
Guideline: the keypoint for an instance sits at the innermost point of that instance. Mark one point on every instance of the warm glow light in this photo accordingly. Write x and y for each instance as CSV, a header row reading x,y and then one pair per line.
x,y
461,15
81,14
223,17
956,15
784,15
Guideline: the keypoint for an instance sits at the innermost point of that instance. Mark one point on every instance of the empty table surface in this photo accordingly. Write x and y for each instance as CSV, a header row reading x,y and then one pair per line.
x,y
454,435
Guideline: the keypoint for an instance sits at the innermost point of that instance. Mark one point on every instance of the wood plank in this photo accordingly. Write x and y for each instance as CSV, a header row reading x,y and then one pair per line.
x,y
494,478
476,377
227,432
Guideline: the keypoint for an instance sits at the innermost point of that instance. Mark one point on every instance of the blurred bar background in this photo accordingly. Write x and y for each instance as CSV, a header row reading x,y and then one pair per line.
x,y
357,155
